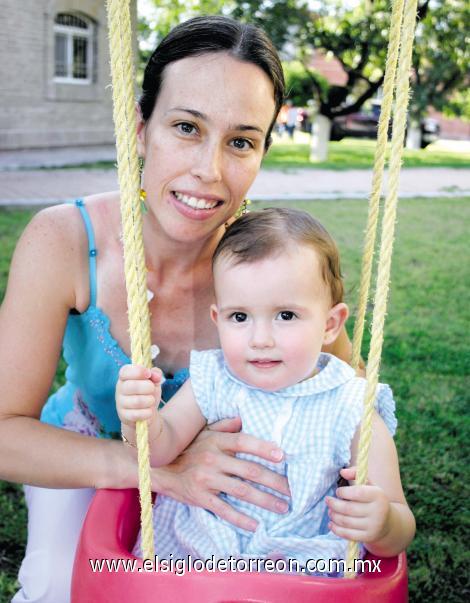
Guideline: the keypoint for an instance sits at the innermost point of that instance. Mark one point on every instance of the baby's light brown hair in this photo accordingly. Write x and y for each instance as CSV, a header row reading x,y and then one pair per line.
x,y
258,235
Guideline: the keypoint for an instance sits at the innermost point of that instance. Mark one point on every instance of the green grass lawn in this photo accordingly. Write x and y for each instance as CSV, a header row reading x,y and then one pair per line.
x,y
426,359
354,153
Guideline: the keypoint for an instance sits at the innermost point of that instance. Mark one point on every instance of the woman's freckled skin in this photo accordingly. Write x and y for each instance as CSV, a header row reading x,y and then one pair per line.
x,y
211,155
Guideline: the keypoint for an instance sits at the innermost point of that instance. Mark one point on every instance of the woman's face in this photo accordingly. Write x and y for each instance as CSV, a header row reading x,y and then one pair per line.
x,y
204,142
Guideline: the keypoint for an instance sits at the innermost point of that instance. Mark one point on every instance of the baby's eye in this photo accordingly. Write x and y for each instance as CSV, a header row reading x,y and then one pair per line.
x,y
185,127
242,144
238,317
286,315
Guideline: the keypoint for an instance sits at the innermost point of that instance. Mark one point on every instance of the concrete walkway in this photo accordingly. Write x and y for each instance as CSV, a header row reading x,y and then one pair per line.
x,y
21,183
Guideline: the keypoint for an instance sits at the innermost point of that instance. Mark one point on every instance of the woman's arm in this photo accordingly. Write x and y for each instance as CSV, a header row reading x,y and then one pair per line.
x,y
377,513
42,286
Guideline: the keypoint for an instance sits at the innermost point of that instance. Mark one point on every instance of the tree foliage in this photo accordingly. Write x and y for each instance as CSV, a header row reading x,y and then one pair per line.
x,y
441,58
358,38
356,33
299,83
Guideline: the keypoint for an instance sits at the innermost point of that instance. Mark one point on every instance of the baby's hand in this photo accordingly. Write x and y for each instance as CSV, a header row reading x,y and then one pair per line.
x,y
359,513
138,393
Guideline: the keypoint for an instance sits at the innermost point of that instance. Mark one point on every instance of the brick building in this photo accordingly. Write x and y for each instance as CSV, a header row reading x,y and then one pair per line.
x,y
54,74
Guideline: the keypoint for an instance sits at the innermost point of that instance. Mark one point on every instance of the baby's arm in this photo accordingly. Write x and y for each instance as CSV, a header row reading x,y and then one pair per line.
x,y
138,394
377,513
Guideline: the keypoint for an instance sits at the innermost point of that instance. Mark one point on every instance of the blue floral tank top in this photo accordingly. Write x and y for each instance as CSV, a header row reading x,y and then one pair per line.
x,y
85,403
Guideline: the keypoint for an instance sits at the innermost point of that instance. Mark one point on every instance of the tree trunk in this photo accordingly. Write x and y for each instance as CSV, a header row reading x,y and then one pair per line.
x,y
413,136
321,128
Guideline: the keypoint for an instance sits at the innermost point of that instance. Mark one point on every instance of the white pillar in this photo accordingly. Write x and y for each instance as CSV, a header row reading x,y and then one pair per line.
x,y
321,128
413,136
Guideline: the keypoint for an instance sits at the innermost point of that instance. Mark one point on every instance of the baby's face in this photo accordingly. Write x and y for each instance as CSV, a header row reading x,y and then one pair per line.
x,y
271,317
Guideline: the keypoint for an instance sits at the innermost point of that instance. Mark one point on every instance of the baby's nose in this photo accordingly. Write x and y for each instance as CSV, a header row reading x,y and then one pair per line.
x,y
262,337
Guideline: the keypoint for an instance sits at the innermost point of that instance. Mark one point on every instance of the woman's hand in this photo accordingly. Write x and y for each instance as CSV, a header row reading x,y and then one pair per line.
x,y
209,467
360,513
138,393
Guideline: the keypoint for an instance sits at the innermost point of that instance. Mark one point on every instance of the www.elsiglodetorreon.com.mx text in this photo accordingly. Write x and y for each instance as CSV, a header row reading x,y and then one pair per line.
x,y
189,564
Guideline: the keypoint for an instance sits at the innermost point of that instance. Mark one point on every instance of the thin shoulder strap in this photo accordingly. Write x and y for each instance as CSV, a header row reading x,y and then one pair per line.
x,y
92,251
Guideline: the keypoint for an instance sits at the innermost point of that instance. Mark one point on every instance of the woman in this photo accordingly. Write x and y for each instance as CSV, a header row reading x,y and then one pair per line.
x,y
211,94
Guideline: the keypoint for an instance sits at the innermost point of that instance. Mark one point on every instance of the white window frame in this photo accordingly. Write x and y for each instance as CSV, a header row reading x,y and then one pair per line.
x,y
70,32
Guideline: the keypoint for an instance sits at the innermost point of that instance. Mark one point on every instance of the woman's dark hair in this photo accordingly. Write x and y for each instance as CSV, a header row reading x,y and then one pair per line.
x,y
261,234
213,34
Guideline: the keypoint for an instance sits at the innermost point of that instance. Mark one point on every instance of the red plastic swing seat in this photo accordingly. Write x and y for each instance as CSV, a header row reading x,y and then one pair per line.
x,y
111,528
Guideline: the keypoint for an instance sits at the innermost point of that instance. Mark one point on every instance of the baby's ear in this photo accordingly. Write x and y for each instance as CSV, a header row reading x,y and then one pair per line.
x,y
337,316
214,314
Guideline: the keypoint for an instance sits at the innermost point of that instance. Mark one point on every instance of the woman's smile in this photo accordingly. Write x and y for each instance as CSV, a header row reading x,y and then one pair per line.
x,y
194,207
197,201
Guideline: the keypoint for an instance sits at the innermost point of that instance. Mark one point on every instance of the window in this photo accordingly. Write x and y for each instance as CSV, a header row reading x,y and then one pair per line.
x,y
73,49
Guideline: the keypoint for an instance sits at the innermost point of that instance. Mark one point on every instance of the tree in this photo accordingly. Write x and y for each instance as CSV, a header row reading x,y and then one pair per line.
x,y
299,83
441,59
356,33
168,13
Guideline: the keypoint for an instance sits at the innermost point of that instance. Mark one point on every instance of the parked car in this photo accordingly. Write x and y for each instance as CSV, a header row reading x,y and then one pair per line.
x,y
363,124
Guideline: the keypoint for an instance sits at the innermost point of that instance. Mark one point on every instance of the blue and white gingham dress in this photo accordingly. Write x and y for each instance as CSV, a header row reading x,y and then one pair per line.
x,y
313,422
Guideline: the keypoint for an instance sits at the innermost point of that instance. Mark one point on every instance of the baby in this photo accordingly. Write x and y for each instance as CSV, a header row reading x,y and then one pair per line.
x,y
279,295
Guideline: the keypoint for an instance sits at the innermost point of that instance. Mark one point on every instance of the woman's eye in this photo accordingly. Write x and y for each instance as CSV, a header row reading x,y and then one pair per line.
x,y
238,317
242,144
185,128
286,315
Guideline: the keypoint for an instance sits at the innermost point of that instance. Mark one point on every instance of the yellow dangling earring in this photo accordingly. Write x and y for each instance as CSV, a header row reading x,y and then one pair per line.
x,y
243,209
142,192
143,204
